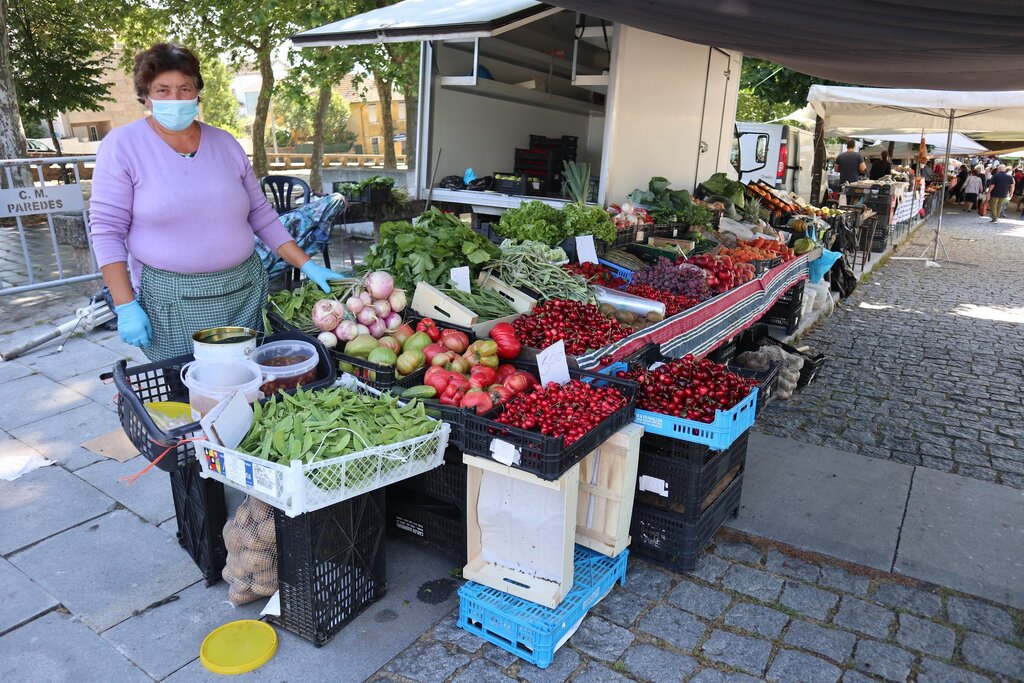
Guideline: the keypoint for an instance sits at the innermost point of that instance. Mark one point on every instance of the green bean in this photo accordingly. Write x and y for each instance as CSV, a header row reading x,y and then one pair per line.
x,y
521,266
487,304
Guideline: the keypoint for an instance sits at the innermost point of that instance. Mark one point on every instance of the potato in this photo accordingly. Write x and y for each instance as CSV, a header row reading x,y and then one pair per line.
x,y
243,516
232,538
240,596
266,533
257,561
267,588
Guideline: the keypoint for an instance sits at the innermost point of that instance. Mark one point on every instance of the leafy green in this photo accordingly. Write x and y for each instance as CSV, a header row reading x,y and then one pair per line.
x,y
695,215
583,219
534,221
720,184
663,204
428,250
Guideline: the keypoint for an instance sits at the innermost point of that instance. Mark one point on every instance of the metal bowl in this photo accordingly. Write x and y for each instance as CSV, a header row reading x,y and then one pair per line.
x,y
225,335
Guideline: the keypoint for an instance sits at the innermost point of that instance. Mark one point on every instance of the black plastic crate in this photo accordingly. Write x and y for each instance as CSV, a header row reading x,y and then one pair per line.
x,y
446,483
673,230
330,565
428,521
726,352
522,185
767,383
548,457
794,294
762,266
667,538
690,471
200,512
487,230
814,360
784,315
382,377
161,381
376,194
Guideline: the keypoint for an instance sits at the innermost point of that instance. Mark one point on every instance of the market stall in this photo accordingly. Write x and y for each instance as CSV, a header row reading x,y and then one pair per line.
x,y
478,389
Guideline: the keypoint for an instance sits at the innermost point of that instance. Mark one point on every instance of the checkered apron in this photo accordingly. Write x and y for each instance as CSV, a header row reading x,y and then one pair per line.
x,y
181,304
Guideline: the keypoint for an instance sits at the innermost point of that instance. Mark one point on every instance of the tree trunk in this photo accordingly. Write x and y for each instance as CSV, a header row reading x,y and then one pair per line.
x,y
384,93
819,161
259,123
54,138
323,103
12,136
412,105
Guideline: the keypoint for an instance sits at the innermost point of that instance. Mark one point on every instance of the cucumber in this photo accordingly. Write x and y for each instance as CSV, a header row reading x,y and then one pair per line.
x,y
422,391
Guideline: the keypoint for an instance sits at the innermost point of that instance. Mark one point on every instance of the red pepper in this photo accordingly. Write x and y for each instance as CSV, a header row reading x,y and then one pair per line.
x,y
430,327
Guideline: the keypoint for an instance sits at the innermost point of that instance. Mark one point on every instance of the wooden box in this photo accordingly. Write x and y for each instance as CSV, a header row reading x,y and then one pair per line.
x,y
429,301
607,487
520,515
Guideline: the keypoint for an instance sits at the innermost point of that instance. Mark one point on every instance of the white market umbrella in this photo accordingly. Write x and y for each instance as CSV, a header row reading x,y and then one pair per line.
x,y
864,111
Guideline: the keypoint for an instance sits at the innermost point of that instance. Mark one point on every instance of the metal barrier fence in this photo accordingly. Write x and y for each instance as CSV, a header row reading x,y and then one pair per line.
x,y
30,255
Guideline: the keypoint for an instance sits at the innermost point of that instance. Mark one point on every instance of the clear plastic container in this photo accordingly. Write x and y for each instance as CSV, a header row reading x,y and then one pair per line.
x,y
211,381
285,365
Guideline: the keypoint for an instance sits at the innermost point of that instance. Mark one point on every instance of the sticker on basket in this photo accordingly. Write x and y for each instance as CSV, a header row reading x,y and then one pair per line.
x,y
460,276
250,475
553,365
586,252
505,453
653,484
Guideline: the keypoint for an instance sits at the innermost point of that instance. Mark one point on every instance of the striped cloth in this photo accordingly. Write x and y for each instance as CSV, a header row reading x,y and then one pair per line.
x,y
181,304
704,327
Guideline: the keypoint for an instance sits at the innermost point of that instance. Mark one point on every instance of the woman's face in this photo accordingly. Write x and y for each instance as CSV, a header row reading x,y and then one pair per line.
x,y
171,85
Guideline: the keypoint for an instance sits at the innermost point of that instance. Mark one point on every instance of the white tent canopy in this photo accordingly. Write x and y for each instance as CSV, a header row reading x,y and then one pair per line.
x,y
910,141
864,112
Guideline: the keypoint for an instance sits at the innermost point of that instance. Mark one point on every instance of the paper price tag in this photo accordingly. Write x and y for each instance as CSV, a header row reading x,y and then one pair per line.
x,y
460,276
586,252
505,453
654,485
553,365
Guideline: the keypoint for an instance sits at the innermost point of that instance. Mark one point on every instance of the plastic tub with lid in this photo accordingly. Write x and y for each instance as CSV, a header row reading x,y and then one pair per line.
x,y
285,365
211,381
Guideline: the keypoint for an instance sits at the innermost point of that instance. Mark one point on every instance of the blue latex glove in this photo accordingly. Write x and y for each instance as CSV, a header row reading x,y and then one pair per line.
x,y
319,274
133,324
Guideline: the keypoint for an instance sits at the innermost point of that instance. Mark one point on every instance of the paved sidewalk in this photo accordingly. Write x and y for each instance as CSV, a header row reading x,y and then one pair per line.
x,y
925,363
752,611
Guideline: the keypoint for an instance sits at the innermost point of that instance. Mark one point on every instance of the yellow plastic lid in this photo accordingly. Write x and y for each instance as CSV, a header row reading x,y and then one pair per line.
x,y
169,414
238,647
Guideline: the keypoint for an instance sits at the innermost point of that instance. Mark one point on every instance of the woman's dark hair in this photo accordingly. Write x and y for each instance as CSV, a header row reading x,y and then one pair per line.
x,y
164,57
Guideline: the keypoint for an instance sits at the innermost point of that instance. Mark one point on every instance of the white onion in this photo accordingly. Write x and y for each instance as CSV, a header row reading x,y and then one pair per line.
x,y
362,329
366,316
354,304
328,339
392,322
376,329
397,300
327,313
346,331
382,307
380,283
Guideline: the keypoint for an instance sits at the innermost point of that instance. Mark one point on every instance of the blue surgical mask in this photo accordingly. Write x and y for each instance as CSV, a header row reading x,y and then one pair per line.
x,y
176,114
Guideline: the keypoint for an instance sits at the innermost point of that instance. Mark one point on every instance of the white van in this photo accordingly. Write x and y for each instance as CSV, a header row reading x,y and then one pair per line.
x,y
780,155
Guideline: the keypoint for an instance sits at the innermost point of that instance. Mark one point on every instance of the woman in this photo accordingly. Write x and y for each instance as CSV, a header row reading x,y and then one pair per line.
x,y
175,203
973,187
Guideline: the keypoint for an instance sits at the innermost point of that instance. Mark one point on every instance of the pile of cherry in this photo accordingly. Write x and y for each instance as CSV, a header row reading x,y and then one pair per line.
x,y
688,388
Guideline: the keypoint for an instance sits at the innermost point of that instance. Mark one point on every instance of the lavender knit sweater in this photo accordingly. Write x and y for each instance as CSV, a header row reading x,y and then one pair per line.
x,y
185,215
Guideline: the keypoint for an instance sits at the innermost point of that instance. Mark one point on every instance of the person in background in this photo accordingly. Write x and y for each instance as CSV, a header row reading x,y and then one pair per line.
x,y
1018,186
972,188
1000,188
937,167
174,215
880,167
850,164
961,178
926,171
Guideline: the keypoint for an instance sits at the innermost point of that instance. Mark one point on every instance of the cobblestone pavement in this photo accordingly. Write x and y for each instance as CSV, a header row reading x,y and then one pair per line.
x,y
752,612
925,364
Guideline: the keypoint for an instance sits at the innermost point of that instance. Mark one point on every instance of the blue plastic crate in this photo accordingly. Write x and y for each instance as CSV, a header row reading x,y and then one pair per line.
x,y
718,435
617,271
727,427
528,630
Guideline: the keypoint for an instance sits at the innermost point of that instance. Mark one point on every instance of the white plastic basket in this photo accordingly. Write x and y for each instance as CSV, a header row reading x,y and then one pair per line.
x,y
303,487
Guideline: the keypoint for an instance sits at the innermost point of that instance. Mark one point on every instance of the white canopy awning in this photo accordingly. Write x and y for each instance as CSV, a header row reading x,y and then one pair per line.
x,y
910,141
414,20
863,112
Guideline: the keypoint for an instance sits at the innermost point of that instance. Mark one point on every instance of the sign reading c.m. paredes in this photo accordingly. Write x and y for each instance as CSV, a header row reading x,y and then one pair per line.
x,y
25,201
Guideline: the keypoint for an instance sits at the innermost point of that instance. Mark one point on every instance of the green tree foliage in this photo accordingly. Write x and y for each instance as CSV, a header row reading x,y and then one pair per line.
x,y
220,108
751,107
59,53
297,115
769,91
